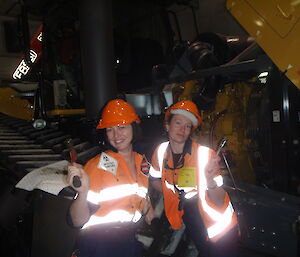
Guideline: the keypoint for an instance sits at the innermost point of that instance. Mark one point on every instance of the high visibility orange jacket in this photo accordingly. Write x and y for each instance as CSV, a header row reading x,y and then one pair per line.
x,y
121,197
189,176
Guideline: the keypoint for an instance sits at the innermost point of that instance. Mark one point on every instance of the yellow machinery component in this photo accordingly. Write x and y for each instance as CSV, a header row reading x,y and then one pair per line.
x,y
275,26
189,87
184,91
228,120
14,106
65,112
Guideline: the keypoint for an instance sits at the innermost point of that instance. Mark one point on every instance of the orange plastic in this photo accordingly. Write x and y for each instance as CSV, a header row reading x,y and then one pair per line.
x,y
117,112
185,105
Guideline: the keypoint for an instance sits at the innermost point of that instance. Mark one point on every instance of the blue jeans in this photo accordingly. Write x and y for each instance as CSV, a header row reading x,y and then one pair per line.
x,y
195,229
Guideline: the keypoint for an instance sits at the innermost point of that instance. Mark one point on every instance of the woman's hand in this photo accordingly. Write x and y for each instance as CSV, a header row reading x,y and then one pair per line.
x,y
150,215
148,212
76,170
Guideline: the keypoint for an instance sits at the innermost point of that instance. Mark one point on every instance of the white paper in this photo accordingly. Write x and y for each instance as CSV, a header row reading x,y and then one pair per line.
x,y
49,178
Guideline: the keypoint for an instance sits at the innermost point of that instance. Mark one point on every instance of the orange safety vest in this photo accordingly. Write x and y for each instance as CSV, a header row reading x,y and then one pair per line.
x,y
121,197
217,220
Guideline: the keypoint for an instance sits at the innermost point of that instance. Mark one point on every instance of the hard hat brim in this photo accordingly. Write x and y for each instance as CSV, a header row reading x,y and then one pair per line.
x,y
187,114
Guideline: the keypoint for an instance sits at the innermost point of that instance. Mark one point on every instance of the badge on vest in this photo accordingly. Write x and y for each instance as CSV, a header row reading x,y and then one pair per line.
x,y
108,163
187,177
145,166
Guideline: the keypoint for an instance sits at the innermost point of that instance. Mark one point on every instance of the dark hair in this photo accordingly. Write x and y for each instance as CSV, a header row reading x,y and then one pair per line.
x,y
169,118
136,132
136,136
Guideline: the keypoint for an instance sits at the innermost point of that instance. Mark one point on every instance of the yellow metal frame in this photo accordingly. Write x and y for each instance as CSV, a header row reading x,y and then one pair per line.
x,y
14,106
66,112
228,119
276,27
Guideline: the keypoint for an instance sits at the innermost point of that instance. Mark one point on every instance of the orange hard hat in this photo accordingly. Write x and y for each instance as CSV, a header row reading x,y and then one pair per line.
x,y
186,108
117,112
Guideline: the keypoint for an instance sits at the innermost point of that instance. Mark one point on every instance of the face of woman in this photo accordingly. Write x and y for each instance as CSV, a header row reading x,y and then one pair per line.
x,y
179,128
120,137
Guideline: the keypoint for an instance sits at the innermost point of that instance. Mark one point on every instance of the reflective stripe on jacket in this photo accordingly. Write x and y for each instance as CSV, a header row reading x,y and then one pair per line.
x,y
120,196
217,220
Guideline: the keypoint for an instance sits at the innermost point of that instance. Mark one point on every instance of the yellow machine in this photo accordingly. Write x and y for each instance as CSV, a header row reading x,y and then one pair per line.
x,y
244,87
275,26
14,106
228,119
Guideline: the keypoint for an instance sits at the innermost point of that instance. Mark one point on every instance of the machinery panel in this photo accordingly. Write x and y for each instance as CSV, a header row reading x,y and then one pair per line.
x,y
281,15
267,219
14,106
275,25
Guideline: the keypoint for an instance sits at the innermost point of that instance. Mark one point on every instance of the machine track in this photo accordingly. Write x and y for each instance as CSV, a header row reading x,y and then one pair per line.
x,y
23,148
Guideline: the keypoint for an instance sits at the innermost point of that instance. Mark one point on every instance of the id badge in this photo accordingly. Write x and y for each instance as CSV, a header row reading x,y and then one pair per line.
x,y
187,177
108,163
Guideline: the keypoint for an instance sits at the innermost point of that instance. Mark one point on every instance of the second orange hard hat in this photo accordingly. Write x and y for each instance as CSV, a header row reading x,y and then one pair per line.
x,y
186,108
116,113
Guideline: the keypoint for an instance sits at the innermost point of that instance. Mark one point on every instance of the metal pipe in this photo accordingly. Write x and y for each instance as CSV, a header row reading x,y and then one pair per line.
x,y
25,35
97,55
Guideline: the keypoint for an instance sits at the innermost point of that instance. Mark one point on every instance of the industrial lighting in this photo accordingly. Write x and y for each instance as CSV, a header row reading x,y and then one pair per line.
x,y
263,74
39,124
286,105
263,77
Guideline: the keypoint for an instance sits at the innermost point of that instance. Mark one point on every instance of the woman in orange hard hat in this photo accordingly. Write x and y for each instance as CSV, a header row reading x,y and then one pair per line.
x,y
113,194
189,177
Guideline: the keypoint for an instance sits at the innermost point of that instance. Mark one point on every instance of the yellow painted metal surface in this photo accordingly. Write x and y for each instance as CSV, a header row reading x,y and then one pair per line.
x,y
65,112
189,87
14,106
276,27
228,119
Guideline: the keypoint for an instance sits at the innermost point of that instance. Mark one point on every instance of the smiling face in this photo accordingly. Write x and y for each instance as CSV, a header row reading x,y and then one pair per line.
x,y
179,128
120,137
